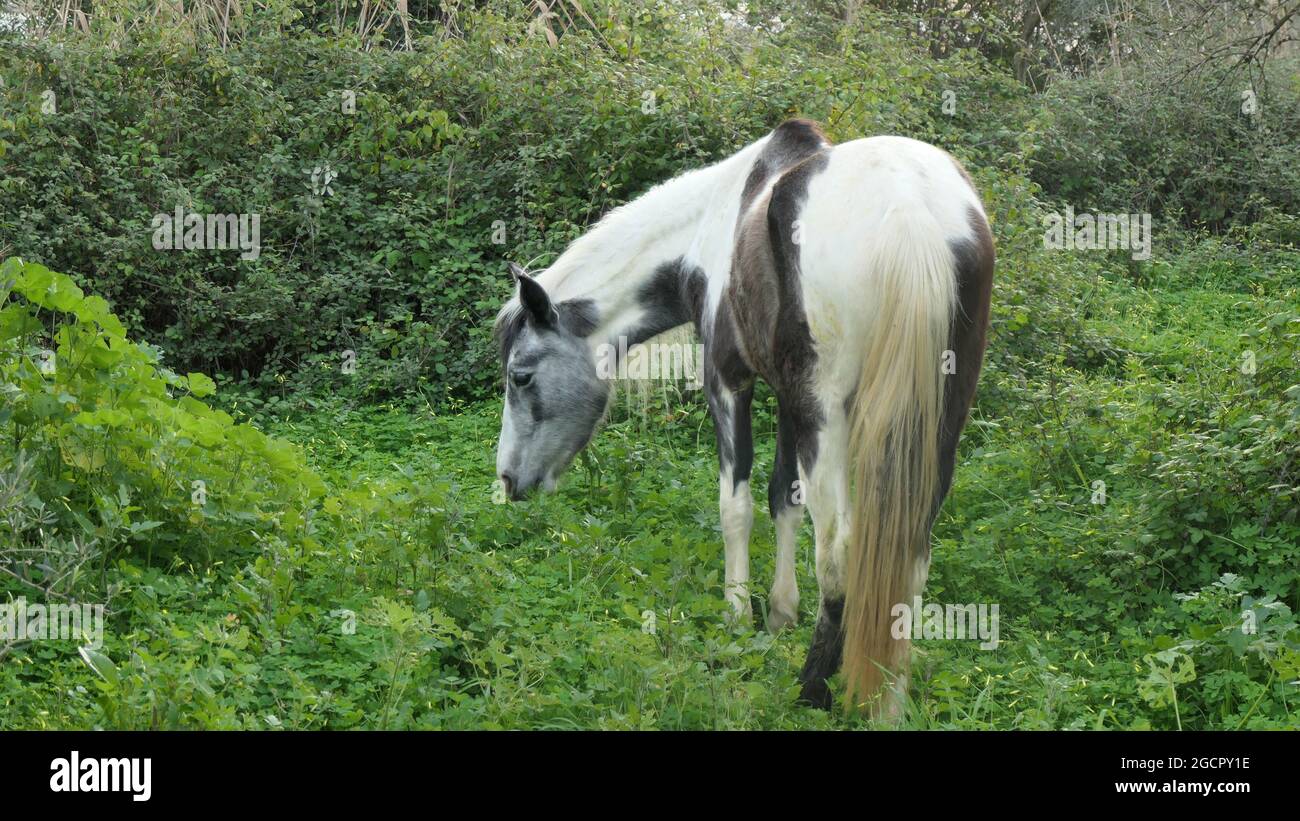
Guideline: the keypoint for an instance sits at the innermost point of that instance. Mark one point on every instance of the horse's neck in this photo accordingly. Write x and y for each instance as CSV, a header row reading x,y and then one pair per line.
x,y
681,228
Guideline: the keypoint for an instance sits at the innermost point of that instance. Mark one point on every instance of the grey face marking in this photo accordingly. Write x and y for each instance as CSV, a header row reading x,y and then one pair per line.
x,y
554,398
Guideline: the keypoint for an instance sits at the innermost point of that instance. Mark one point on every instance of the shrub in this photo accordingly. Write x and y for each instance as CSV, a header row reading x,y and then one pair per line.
x,y
467,151
108,448
1175,141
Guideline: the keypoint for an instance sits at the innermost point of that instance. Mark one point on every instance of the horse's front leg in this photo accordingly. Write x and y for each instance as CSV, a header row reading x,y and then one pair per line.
x,y
731,421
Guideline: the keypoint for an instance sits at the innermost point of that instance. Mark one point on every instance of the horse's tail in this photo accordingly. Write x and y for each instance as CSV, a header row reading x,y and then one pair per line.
x,y
893,447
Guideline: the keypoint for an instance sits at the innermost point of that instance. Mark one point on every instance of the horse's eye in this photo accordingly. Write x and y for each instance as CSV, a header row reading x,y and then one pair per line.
x,y
521,380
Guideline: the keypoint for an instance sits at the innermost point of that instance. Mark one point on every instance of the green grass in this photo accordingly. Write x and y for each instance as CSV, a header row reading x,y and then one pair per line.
x,y
473,614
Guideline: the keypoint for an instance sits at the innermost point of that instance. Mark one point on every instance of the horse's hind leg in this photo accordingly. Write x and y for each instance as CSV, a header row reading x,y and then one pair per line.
x,y
826,482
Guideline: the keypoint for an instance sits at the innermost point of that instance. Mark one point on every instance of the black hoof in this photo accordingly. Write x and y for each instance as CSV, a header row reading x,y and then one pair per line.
x,y
815,693
823,656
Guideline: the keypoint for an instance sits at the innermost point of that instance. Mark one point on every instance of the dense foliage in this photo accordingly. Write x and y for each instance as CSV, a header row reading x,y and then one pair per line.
x,y
119,451
1129,485
459,155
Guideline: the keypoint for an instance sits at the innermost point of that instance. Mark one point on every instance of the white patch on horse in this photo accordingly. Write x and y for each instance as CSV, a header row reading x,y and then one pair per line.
x,y
783,604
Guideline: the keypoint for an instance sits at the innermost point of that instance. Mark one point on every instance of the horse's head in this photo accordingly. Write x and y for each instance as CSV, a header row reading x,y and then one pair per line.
x,y
554,397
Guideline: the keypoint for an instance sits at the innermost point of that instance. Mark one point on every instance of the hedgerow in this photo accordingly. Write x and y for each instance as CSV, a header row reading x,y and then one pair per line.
x,y
1129,481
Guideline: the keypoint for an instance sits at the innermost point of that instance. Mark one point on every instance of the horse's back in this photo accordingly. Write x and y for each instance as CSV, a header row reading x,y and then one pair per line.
x,y
880,205
815,223
866,181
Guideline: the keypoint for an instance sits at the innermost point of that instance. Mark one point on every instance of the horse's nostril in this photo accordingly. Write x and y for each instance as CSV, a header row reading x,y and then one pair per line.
x,y
508,482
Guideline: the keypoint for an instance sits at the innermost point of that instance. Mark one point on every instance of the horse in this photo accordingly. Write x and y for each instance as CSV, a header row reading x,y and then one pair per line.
x,y
855,280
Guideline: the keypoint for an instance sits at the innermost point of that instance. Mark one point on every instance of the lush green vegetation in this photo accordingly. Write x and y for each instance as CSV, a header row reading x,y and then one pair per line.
x,y
291,544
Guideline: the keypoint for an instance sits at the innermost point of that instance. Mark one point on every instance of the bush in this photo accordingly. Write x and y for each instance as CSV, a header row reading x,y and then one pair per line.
x,y
1175,141
104,447
468,151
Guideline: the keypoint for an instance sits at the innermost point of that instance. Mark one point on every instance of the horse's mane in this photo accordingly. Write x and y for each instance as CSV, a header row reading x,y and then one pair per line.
x,y
509,322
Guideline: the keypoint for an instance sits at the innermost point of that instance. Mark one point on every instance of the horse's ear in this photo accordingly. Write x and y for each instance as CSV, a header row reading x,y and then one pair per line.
x,y
537,305
516,271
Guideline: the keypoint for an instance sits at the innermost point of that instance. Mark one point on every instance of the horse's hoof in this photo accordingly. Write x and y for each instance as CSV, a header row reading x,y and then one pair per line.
x,y
815,693
778,617
741,616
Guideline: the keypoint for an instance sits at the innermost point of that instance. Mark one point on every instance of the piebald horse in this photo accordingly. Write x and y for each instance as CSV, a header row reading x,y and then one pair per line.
x,y
855,280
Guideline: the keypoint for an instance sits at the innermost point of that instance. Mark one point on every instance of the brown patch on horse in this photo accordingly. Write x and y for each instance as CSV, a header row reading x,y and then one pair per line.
x,y
763,297
967,339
